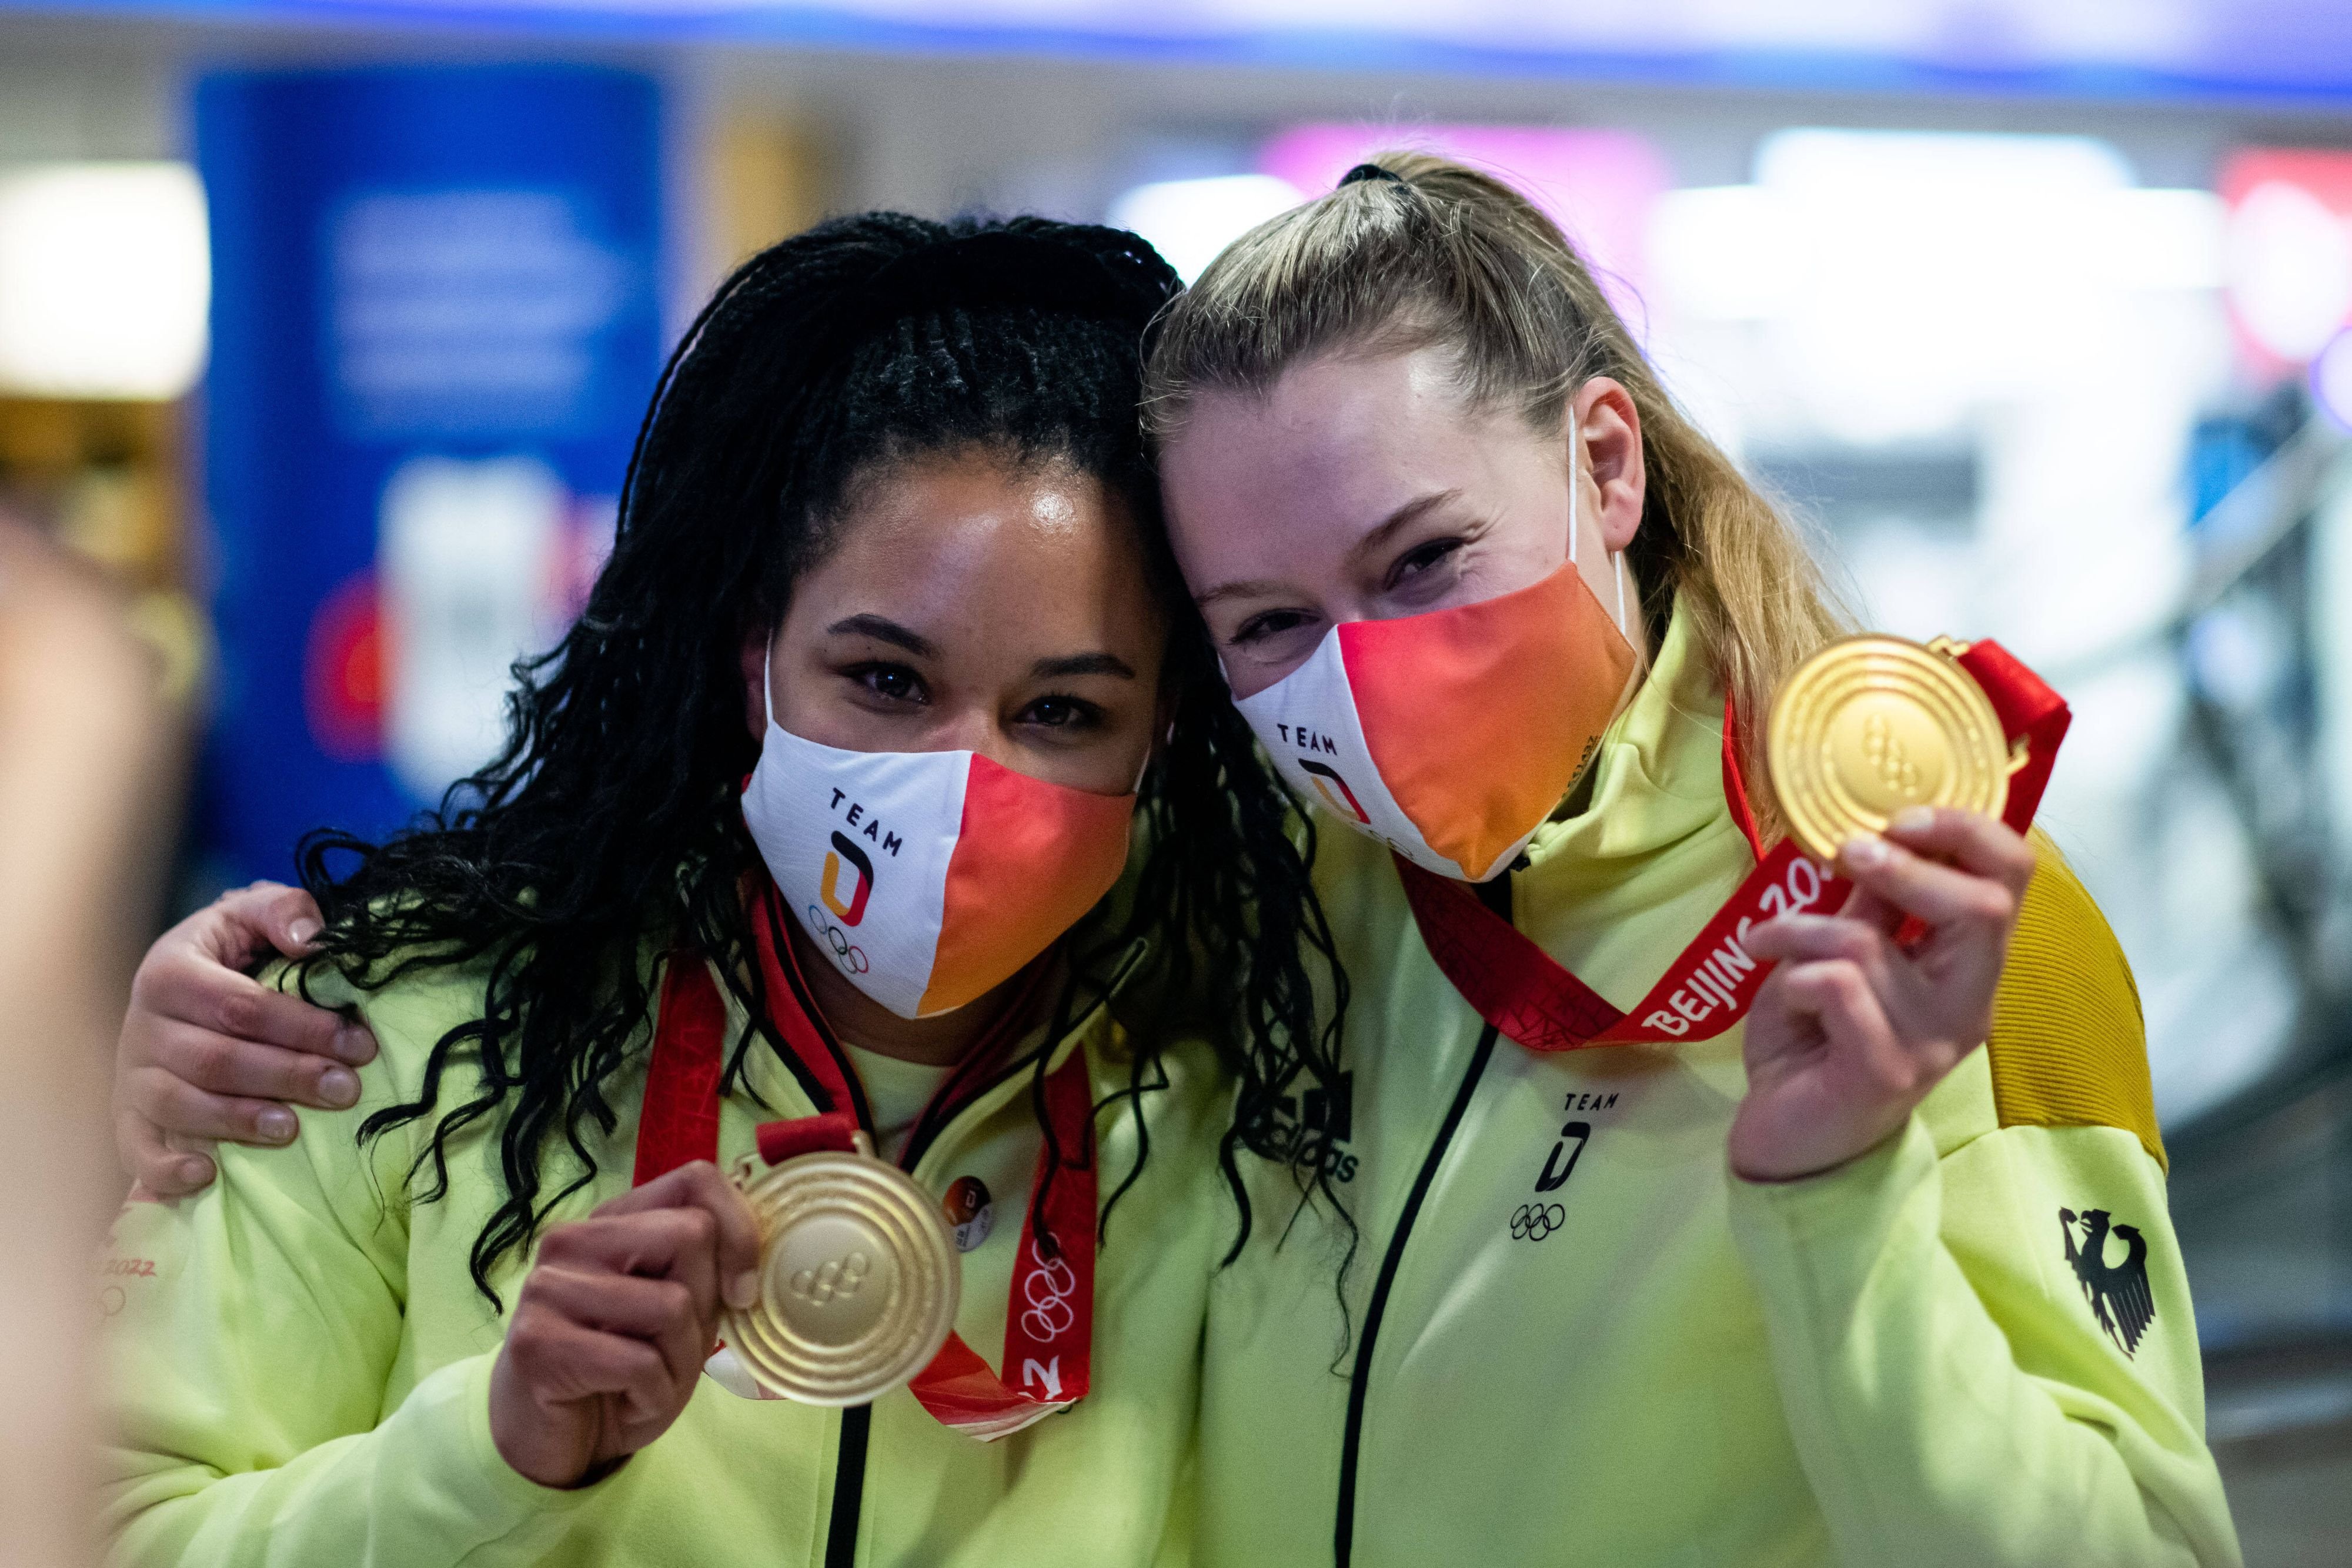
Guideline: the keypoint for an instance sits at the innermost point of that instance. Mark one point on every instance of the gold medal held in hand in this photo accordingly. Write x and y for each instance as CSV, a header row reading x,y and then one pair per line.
x,y
1872,725
858,1278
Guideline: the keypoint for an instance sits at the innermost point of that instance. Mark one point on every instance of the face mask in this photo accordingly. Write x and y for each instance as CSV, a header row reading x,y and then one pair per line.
x,y
1451,736
928,877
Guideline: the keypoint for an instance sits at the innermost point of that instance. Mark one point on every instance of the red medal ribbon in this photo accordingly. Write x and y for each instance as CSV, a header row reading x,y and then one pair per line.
x,y
1529,995
1049,1315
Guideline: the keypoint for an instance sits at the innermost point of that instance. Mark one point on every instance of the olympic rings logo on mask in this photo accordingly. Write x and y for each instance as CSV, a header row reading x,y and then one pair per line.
x,y
1533,1222
851,957
1048,1289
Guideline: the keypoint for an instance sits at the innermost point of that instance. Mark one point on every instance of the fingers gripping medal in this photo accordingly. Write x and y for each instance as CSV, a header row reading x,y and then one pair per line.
x,y
858,1277
1872,725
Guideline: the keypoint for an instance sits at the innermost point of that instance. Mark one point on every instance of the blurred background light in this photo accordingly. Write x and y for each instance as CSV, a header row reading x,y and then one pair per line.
x,y
1188,222
104,279
1910,276
1598,184
1728,253
2290,269
2290,250
2091,49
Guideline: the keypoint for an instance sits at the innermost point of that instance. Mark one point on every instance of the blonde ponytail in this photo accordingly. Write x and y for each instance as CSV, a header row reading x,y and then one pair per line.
x,y
1434,254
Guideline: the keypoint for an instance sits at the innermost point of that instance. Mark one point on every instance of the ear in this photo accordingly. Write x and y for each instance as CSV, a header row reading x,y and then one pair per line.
x,y
1608,428
755,656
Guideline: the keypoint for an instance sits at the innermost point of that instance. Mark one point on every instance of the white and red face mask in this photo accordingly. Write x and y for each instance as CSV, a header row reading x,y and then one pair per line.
x,y
1451,736
928,877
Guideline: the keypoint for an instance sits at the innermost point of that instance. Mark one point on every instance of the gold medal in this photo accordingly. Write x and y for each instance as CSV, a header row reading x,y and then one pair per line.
x,y
858,1278
1873,725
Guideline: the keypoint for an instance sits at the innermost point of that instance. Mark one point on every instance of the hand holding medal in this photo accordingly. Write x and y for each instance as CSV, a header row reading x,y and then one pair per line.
x,y
1890,762
609,1332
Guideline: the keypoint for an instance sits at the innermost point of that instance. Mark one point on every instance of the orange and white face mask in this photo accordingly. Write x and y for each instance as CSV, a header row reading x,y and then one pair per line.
x,y
1451,736
928,877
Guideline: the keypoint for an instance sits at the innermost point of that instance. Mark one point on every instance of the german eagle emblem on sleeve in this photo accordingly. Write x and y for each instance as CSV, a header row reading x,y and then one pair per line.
x,y
2118,1292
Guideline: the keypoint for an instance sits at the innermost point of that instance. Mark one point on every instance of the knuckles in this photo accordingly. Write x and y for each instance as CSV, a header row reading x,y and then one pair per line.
x,y
1851,942
238,1015
164,967
151,1092
527,1338
205,1062
1829,983
1990,903
563,1243
701,1228
1896,1074
676,1303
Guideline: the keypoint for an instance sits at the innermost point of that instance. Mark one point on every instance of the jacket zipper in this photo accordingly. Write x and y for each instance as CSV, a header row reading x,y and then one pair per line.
x,y
1495,895
857,1421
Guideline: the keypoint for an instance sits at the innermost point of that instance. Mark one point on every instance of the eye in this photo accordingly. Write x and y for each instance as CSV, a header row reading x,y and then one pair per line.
x,y
891,683
1271,623
1062,712
1421,558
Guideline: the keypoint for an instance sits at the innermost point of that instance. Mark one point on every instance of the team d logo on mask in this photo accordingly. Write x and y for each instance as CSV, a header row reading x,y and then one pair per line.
x,y
849,911
1334,789
930,877
844,863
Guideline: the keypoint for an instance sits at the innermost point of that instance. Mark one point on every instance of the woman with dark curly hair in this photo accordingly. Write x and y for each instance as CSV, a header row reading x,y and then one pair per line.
x,y
814,819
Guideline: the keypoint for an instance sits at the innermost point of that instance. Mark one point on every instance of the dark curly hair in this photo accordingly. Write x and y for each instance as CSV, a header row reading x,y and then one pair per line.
x,y
610,817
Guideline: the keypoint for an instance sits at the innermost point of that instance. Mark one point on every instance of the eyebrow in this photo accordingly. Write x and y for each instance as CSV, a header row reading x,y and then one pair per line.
x,y
1082,665
1403,517
882,629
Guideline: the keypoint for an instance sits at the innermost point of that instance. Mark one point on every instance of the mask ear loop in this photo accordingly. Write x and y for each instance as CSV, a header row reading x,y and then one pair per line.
x,y
1571,489
767,683
1617,558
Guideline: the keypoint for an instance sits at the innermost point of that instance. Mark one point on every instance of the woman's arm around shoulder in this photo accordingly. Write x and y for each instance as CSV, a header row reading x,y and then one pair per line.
x,y
1981,1328
251,1334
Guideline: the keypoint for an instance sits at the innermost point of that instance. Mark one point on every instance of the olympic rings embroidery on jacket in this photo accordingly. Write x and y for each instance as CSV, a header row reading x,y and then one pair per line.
x,y
1048,1288
851,957
1533,1222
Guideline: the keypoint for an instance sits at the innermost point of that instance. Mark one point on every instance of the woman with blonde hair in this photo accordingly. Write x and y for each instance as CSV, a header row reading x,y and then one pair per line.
x,y
1831,1285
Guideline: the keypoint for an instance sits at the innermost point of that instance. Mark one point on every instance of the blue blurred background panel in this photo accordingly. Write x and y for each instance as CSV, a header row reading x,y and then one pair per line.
x,y
436,319
2090,48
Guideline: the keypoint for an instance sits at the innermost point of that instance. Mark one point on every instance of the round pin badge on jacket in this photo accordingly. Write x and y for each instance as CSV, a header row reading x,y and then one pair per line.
x,y
970,1214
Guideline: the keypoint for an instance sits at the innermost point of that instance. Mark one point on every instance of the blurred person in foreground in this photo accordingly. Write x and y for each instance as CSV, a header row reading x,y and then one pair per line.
x,y
85,752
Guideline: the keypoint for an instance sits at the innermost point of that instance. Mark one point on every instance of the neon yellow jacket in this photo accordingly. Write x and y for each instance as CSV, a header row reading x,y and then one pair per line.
x,y
1570,1335
301,1362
